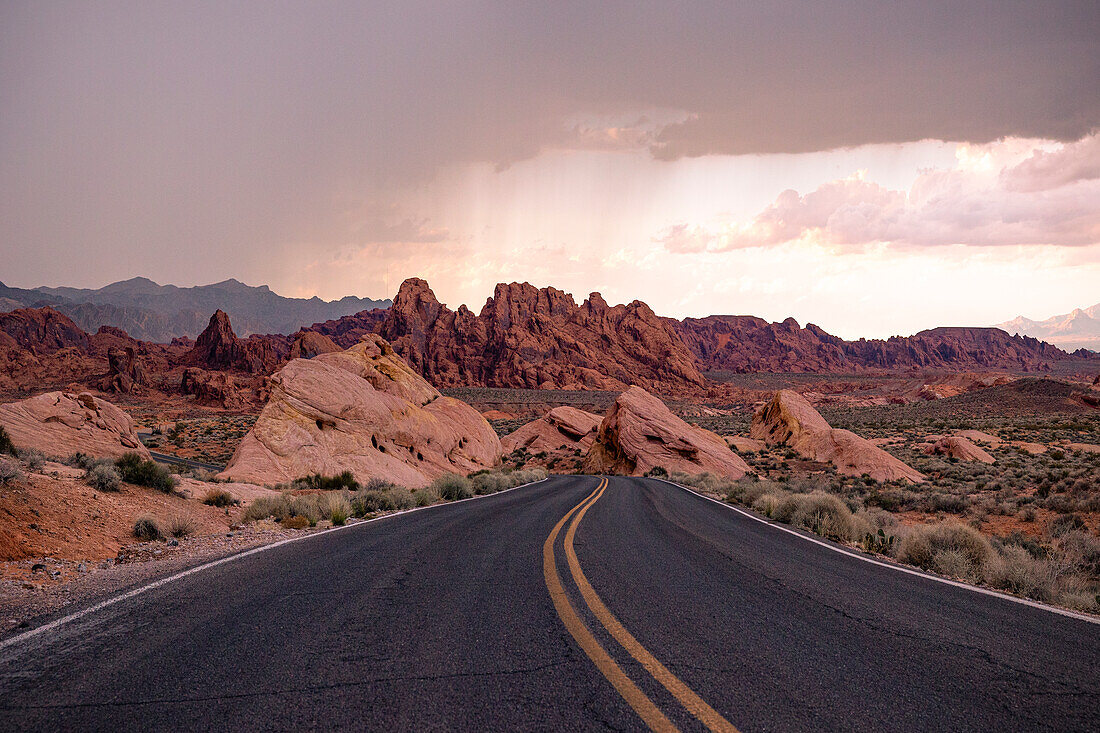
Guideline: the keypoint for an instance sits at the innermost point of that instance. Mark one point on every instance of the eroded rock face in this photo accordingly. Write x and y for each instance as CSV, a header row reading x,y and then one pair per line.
x,y
956,446
640,433
221,389
126,373
562,429
788,419
219,348
42,330
366,411
741,444
62,423
531,337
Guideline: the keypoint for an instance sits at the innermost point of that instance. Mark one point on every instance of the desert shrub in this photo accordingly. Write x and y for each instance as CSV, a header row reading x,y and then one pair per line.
x,y
380,484
452,487
657,472
218,498
1080,552
181,526
9,471
1065,524
147,529
333,506
1015,570
276,507
369,502
951,503
103,477
767,504
403,499
954,549
296,522
424,497
489,482
818,512
141,471
32,458
6,446
80,460
344,480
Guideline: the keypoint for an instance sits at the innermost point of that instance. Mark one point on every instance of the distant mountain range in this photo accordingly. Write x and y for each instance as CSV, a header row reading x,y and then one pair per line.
x,y
152,312
1071,331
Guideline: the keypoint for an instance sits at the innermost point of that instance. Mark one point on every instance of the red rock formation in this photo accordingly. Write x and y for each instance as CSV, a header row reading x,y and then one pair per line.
x,y
126,373
218,388
562,429
639,433
956,446
41,330
790,420
749,344
219,348
530,337
308,344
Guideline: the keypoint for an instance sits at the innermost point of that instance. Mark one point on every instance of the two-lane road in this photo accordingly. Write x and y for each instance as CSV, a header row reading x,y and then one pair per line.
x,y
575,603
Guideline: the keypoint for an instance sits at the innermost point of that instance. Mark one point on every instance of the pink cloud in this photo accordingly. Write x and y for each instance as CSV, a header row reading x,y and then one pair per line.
x,y
988,199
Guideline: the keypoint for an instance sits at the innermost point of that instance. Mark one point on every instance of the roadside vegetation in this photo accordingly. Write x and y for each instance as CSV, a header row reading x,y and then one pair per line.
x,y
306,502
1061,565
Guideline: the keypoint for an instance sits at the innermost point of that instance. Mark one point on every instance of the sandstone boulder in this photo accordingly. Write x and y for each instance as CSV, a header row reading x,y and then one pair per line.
x,y
790,420
640,433
63,423
955,446
362,410
308,344
561,429
977,436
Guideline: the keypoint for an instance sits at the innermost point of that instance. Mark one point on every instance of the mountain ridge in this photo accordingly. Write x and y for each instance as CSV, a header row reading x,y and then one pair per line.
x,y
1078,329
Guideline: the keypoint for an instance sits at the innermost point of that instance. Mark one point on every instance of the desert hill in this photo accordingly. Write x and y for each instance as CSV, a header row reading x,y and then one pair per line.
x,y
1079,329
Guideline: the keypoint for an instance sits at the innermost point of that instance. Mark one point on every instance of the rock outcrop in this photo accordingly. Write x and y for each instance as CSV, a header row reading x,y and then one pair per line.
x,y
640,433
788,419
366,411
219,348
956,446
531,337
126,373
41,331
218,388
561,430
63,423
308,344
741,444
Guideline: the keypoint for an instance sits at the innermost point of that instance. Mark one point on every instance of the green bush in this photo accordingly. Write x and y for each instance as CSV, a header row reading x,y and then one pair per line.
x,y
369,501
147,529
344,480
141,471
452,487
103,477
80,460
424,497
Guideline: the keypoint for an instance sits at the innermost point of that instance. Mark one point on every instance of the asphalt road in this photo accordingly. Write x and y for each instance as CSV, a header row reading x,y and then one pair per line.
x,y
536,609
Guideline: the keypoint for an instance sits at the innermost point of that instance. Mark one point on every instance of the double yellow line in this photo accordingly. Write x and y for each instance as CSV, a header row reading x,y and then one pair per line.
x,y
630,692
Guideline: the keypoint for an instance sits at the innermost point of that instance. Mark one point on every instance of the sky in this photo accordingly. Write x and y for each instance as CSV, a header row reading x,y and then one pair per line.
x,y
875,168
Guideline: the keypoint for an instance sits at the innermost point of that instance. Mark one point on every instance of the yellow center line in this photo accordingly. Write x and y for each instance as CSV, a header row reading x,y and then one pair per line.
x,y
637,699
691,701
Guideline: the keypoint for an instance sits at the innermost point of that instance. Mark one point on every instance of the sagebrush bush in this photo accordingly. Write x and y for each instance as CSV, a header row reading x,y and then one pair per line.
x,y
80,460
922,546
425,497
6,446
452,487
147,529
1015,570
823,514
9,471
103,477
371,501
141,471
334,505
181,526
218,498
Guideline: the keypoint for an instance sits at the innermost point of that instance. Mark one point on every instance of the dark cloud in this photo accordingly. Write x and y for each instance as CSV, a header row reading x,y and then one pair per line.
x,y
134,128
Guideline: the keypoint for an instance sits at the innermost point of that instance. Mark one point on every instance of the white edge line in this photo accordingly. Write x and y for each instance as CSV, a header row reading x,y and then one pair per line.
x,y
892,566
11,641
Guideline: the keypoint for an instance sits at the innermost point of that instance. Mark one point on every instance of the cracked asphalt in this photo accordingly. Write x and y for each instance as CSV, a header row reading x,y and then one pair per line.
x,y
440,620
